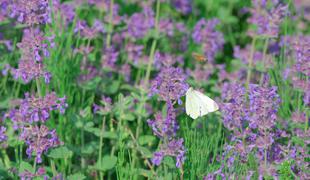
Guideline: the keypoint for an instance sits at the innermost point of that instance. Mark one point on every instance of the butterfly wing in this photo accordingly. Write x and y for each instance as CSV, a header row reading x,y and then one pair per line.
x,y
198,104
191,105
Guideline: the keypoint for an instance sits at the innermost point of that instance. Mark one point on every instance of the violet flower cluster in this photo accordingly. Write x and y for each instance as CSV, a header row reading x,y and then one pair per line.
x,y
29,12
34,47
266,20
36,109
205,33
170,84
140,23
38,140
251,115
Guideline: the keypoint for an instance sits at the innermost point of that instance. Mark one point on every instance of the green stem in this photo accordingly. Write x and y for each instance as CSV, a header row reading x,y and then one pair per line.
x,y
39,87
34,166
248,79
110,30
264,59
100,146
154,43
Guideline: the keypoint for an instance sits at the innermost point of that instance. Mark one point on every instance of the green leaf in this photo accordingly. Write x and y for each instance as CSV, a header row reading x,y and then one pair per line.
x,y
76,176
147,139
146,152
145,173
128,117
25,166
108,162
112,88
60,153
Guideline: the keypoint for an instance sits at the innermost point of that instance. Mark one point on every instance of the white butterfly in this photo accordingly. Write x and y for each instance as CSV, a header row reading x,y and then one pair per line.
x,y
198,104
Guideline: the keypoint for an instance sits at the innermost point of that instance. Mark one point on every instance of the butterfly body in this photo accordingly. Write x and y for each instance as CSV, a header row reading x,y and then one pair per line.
x,y
198,104
199,57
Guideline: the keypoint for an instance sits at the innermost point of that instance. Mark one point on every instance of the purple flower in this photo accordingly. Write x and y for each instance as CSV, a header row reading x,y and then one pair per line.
x,y
205,33
140,23
109,58
65,10
172,148
134,52
164,127
30,11
33,109
166,60
234,109
34,47
266,21
301,47
39,139
170,84
3,136
27,175
88,32
166,27
299,117
264,104
183,6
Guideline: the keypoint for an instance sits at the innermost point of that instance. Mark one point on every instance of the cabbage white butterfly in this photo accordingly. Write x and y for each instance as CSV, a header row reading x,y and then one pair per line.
x,y
198,104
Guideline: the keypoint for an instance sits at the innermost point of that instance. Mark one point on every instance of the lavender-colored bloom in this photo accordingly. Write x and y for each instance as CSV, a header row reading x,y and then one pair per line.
x,y
3,136
88,32
170,84
30,11
140,23
301,47
65,10
88,72
205,33
134,52
183,6
109,58
39,139
234,108
166,27
126,71
299,117
165,127
267,21
264,104
34,47
172,148
27,175
166,60
33,109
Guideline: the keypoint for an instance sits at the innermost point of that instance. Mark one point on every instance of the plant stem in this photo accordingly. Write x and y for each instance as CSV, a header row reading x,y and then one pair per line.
x,y
39,87
110,30
264,59
248,79
154,43
100,146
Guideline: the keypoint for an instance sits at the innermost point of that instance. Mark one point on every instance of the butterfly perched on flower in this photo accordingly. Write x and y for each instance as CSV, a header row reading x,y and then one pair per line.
x,y
199,57
197,104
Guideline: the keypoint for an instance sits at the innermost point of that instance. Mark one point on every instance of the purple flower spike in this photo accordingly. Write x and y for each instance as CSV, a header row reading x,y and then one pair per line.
x,y
173,148
39,139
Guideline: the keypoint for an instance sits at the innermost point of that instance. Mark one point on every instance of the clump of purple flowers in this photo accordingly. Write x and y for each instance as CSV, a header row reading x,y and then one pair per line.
x,y
174,148
266,20
170,84
36,109
205,33
34,47
30,11
140,23
183,6
39,139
